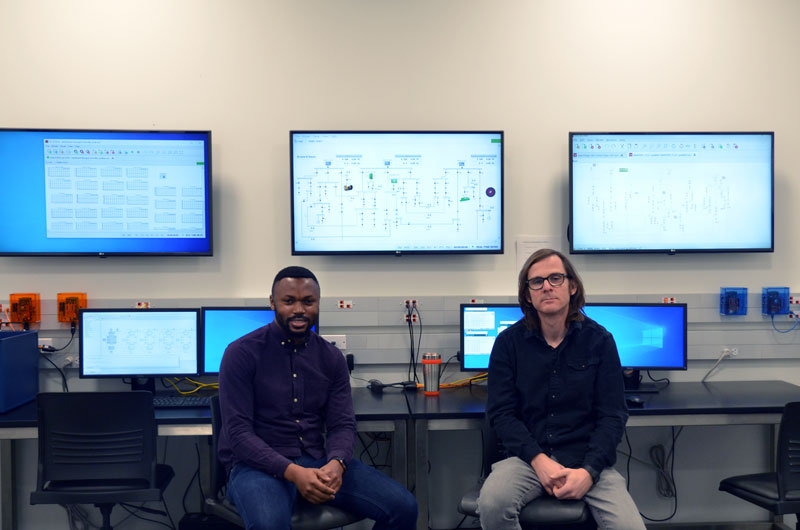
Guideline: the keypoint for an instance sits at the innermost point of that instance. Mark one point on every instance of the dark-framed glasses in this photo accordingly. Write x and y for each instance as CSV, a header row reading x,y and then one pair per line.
x,y
555,280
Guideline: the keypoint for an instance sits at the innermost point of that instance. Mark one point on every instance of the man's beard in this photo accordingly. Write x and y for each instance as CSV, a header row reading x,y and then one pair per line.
x,y
284,324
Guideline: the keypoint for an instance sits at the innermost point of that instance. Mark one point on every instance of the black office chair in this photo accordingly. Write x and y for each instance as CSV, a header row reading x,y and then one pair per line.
x,y
542,513
778,492
98,448
306,516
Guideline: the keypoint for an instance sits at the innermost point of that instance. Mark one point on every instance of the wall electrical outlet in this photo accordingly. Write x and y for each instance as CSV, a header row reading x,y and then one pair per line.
x,y
340,341
60,360
64,360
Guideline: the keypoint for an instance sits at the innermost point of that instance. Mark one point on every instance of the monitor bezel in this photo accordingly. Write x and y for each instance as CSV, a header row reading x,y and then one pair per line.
x,y
462,356
670,251
208,198
132,376
396,252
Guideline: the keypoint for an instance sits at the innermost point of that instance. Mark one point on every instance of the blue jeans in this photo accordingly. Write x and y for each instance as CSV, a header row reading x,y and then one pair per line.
x,y
267,503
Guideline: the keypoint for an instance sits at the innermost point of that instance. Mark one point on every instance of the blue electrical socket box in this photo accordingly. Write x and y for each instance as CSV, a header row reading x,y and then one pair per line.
x,y
775,300
19,368
733,300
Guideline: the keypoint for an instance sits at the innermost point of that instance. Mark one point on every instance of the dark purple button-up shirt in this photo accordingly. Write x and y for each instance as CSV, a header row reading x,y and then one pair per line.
x,y
279,399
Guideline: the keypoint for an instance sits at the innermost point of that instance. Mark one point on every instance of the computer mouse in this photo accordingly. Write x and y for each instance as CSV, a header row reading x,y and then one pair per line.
x,y
634,401
375,386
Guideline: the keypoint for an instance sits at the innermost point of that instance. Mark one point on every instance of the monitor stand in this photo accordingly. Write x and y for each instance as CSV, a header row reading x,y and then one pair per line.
x,y
634,385
143,383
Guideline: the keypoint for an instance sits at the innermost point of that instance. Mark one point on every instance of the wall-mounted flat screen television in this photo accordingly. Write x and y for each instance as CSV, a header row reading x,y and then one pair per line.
x,y
671,192
105,192
397,192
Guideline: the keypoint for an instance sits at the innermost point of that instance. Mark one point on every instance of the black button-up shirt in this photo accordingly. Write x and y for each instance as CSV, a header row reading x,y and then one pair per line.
x,y
279,399
567,402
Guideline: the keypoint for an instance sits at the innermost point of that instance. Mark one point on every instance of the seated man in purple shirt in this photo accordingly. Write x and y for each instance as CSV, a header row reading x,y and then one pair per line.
x,y
288,425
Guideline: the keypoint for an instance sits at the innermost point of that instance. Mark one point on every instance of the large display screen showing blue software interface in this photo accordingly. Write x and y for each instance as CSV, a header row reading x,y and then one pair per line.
x,y
223,325
671,192
648,336
388,192
138,342
105,192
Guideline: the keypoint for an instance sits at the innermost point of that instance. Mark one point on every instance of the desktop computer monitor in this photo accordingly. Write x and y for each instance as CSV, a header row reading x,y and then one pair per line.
x,y
648,336
138,343
223,325
480,326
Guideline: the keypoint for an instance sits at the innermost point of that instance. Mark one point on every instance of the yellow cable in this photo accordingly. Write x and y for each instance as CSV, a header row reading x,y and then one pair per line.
x,y
466,381
199,386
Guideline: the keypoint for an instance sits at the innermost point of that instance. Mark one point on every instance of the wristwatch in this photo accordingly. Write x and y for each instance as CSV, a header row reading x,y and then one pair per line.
x,y
592,473
341,462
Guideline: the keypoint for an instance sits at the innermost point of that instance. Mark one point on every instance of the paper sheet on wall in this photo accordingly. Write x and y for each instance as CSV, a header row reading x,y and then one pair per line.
x,y
527,245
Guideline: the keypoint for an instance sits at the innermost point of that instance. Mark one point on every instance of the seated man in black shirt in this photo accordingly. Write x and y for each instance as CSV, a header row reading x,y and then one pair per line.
x,y
556,402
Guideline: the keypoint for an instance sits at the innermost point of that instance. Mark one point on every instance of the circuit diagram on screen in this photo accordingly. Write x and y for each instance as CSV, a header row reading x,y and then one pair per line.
x,y
388,201
657,200
164,346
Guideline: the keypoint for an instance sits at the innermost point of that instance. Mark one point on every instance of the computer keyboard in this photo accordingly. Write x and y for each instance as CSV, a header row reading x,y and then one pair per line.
x,y
169,401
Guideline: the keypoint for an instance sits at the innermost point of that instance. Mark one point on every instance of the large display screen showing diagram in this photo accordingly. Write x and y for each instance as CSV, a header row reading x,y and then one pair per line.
x,y
671,192
397,192
74,192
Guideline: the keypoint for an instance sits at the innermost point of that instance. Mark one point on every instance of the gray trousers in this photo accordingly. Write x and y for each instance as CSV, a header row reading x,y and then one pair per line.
x,y
513,483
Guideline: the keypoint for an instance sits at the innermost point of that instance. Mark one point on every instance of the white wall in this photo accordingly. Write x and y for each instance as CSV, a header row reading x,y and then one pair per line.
x,y
251,70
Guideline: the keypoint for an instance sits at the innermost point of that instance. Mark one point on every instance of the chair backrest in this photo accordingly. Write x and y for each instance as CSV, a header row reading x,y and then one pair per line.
x,y
96,437
789,450
218,478
493,450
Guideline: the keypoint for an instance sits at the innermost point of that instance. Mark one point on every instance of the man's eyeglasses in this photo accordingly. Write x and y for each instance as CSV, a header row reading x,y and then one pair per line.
x,y
555,280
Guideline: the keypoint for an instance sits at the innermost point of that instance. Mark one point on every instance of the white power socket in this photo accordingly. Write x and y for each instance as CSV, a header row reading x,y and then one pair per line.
x,y
729,352
340,341
45,342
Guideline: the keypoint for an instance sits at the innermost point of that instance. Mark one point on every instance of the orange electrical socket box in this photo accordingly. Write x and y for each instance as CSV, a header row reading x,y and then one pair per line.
x,y
25,307
68,306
